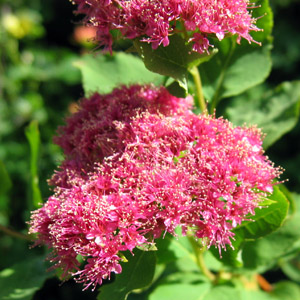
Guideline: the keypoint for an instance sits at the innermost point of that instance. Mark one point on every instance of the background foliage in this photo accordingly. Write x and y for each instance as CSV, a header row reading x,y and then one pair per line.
x,y
42,64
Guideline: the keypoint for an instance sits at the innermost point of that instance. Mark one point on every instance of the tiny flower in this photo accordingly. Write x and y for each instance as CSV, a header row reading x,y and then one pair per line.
x,y
154,21
164,168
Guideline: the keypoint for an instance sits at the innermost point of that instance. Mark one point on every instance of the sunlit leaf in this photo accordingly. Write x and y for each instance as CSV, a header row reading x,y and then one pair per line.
x,y
276,112
103,73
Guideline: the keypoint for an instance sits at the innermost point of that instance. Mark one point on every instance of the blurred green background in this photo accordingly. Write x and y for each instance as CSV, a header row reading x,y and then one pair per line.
x,y
39,42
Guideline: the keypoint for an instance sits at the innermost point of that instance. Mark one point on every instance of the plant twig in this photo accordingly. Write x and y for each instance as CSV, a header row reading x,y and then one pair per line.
x,y
15,234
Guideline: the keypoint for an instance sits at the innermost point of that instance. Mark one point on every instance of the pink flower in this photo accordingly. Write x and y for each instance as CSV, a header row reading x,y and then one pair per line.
x,y
162,171
153,21
90,135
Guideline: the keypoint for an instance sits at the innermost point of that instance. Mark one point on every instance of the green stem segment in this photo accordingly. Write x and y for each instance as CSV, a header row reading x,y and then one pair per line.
x,y
199,251
199,91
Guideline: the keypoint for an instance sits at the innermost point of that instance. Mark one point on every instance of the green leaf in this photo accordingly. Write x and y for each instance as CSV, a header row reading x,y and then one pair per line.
x,y
180,286
291,268
174,60
22,280
276,112
266,220
137,273
176,250
176,90
264,253
223,292
257,295
236,68
286,290
33,136
6,183
103,73
264,15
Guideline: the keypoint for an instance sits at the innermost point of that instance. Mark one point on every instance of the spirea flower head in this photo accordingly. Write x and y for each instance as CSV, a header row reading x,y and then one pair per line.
x,y
165,171
91,134
153,21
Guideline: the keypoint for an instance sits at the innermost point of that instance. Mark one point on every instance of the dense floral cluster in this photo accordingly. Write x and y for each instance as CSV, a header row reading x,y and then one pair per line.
x,y
153,21
166,168
91,134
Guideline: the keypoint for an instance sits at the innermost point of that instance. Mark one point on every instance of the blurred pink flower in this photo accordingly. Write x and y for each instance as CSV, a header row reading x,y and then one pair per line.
x,y
153,21
164,167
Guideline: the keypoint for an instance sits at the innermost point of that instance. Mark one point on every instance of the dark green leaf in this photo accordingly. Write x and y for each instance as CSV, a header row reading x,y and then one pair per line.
x,y
176,90
33,136
4,179
22,280
236,68
174,60
137,273
103,73
276,112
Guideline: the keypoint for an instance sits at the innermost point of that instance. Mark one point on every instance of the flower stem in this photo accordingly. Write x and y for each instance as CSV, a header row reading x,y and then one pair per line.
x,y
199,91
199,251
15,234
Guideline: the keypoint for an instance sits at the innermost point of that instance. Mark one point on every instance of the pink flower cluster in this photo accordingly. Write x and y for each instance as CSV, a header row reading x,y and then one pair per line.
x,y
163,167
153,21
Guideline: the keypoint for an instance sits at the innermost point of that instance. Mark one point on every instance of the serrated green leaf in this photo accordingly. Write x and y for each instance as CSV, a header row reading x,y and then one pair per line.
x,y
237,68
22,280
103,73
174,60
276,112
33,136
6,183
137,273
